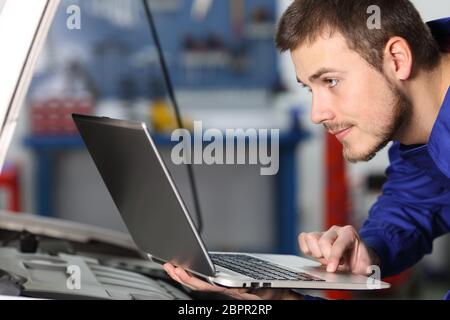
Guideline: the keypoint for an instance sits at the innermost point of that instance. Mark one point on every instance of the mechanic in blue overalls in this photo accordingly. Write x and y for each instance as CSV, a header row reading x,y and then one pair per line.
x,y
372,84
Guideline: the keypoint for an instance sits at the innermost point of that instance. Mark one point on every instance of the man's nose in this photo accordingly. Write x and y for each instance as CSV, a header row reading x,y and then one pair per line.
x,y
321,112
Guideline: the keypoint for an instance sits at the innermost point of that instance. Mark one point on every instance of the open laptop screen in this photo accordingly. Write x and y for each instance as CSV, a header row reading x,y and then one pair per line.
x,y
23,27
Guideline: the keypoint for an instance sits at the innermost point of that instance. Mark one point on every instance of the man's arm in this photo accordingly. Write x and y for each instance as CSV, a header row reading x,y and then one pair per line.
x,y
413,210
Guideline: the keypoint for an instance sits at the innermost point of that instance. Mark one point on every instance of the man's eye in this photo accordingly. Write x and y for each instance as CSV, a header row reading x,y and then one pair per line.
x,y
332,82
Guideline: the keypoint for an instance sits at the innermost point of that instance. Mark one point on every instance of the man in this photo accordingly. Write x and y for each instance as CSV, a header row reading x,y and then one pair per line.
x,y
371,85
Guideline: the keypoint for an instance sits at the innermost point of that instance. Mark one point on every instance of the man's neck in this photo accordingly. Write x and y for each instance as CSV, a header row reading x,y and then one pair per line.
x,y
426,93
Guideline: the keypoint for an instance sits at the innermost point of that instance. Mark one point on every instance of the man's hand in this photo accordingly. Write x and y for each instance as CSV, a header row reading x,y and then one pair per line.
x,y
339,248
195,284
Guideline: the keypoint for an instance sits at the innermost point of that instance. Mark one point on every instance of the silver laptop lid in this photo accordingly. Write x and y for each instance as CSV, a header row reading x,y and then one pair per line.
x,y
144,192
24,25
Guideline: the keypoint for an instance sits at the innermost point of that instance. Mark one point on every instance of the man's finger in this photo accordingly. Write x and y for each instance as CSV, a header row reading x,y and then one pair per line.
x,y
312,240
326,242
196,283
170,269
303,246
340,246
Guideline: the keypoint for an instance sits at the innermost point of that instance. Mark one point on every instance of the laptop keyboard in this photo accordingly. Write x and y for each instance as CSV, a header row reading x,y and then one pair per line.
x,y
258,269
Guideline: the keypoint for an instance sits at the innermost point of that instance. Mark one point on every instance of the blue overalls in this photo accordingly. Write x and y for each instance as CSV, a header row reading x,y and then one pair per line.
x,y
414,207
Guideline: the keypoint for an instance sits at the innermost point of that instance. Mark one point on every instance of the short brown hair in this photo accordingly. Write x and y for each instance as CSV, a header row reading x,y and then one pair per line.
x,y
305,20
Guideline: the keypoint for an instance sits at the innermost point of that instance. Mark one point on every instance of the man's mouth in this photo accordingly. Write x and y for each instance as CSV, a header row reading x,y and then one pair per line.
x,y
341,134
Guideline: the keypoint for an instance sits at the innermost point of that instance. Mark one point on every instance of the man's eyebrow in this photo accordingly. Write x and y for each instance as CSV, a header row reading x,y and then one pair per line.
x,y
317,75
320,72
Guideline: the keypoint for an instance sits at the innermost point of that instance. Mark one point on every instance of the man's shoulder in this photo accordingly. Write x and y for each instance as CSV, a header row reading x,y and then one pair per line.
x,y
415,161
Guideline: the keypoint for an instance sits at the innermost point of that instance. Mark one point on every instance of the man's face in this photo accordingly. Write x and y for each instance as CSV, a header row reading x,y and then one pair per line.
x,y
350,98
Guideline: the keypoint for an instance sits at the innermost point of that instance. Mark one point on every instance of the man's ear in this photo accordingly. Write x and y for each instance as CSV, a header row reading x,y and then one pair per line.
x,y
398,58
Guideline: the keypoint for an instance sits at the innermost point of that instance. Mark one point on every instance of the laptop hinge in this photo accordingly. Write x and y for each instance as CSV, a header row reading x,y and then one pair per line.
x,y
154,259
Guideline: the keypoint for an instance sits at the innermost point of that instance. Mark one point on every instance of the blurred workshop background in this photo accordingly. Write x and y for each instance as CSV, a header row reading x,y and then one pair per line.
x,y
227,74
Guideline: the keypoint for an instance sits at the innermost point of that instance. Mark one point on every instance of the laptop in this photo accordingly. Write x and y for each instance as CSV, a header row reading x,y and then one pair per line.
x,y
158,220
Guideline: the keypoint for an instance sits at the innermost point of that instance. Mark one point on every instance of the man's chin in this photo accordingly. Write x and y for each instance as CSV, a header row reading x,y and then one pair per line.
x,y
358,158
354,156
